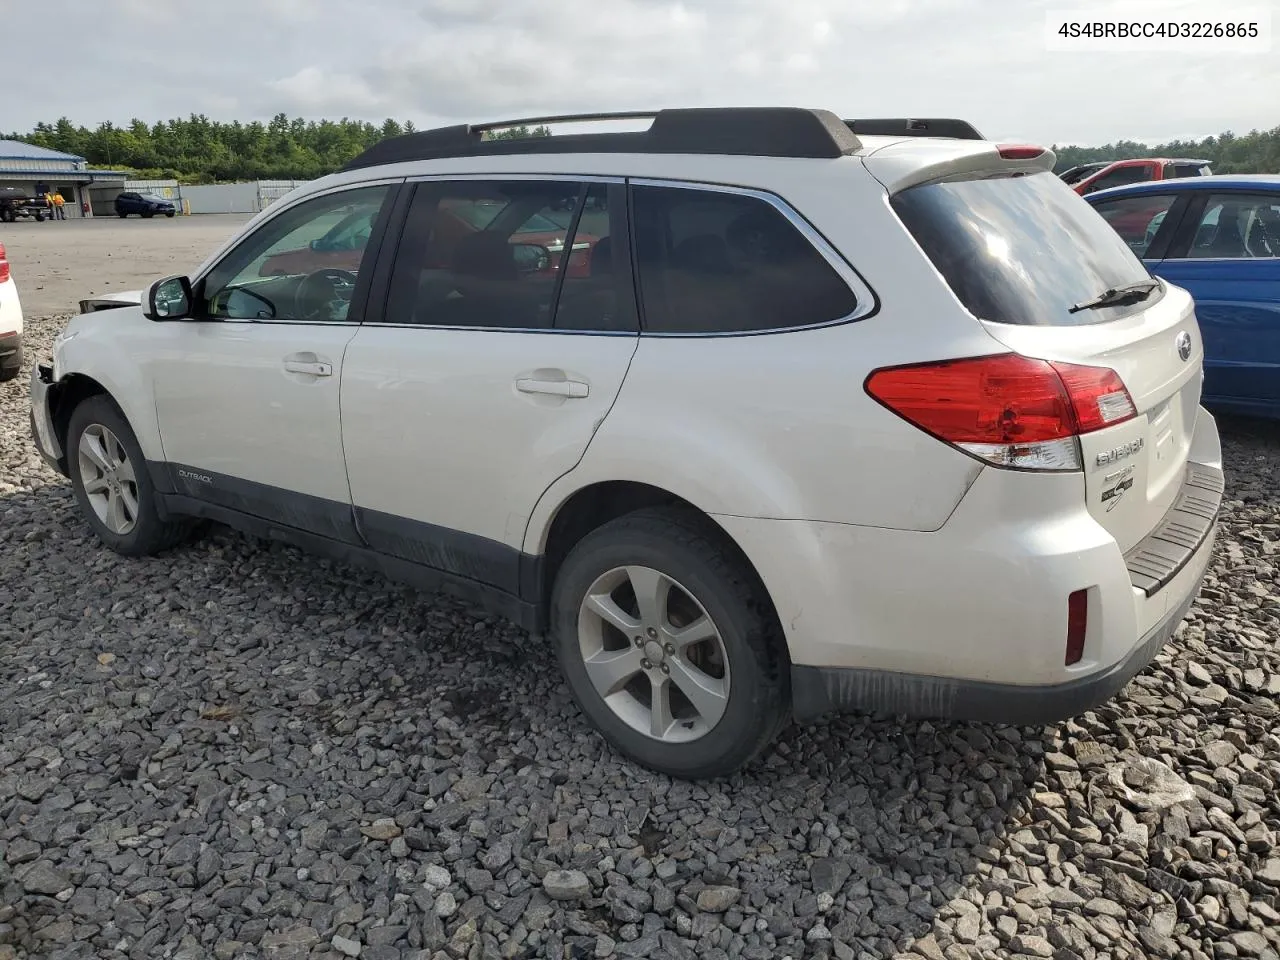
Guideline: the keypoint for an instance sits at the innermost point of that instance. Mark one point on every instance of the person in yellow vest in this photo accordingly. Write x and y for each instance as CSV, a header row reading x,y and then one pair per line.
x,y
48,203
58,203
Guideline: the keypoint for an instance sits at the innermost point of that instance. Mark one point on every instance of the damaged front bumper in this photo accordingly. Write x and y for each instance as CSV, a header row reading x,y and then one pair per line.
x,y
43,391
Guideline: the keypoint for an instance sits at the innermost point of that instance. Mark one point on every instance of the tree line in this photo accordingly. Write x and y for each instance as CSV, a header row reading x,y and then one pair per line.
x,y
1256,152
200,150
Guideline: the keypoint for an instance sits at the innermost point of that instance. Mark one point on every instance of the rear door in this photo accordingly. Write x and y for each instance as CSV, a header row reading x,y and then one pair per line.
x,y
1228,257
486,371
1023,254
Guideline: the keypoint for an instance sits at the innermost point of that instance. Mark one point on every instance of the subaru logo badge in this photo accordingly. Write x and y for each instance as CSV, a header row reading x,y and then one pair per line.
x,y
1184,345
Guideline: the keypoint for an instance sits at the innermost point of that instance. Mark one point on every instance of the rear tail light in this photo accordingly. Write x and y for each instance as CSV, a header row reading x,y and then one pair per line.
x,y
1006,410
1077,625
4,264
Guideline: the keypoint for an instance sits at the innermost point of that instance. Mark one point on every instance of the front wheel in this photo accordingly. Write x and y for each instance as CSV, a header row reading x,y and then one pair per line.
x,y
669,645
170,213
111,483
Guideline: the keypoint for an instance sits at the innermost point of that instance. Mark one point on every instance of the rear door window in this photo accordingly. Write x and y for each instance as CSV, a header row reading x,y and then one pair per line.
x,y
1021,249
522,254
1236,227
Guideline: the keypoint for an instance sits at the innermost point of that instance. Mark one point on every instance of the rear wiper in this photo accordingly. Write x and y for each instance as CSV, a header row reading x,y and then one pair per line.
x,y
1116,296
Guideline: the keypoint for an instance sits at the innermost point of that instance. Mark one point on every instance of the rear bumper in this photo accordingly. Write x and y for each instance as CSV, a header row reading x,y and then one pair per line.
x,y
817,690
970,621
10,355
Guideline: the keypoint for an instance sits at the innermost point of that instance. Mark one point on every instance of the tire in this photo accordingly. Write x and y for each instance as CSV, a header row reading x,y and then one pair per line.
x,y
171,214
39,218
123,215
148,534
752,690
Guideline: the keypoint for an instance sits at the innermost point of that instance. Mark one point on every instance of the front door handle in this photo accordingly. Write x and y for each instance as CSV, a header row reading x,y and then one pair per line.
x,y
574,389
306,363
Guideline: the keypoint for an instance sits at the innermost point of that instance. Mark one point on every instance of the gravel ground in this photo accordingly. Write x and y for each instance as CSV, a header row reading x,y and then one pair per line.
x,y
239,751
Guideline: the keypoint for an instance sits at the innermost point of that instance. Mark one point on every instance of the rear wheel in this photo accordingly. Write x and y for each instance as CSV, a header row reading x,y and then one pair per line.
x,y
121,214
111,483
669,645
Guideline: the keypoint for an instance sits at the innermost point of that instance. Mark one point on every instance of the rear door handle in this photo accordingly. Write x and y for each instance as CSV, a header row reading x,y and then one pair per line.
x,y
574,389
308,365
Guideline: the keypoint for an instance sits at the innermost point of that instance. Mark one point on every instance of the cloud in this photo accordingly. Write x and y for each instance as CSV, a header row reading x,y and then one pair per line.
x,y
445,61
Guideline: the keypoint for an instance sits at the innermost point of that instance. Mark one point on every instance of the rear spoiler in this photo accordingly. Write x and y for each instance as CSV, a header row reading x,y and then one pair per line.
x,y
894,127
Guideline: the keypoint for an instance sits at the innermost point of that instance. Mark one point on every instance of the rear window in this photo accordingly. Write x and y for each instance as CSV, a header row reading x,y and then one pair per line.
x,y
1021,249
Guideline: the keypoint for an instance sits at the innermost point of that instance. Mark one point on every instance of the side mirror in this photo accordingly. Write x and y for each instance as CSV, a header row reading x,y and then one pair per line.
x,y
531,257
318,244
169,299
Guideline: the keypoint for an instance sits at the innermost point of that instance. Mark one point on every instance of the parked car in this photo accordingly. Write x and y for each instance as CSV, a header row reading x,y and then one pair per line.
x,y
145,205
1140,171
1077,173
17,204
10,321
1218,237
843,416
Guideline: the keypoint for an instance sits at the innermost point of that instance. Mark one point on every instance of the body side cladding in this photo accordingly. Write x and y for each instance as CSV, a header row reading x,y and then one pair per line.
x,y
431,558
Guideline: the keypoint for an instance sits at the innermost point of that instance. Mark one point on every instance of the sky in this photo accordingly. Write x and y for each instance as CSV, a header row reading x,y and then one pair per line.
x,y
447,61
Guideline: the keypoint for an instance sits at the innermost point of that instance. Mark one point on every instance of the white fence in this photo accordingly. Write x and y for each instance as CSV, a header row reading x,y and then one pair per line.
x,y
236,197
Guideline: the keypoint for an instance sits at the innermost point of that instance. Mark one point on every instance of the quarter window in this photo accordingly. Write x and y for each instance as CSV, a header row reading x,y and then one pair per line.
x,y
718,262
1238,226
1137,219
522,255
299,266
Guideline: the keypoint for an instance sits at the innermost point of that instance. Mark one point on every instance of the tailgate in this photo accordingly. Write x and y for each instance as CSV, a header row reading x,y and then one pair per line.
x,y
1133,470
1048,278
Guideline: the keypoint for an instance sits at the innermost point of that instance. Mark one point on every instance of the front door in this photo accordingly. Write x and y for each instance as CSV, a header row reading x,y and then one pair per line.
x,y
508,328
247,393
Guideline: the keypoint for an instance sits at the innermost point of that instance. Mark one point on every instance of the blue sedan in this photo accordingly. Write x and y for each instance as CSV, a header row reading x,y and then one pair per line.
x,y
1219,238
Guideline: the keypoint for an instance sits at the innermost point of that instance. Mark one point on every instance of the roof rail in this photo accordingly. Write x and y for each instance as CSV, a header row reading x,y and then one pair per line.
x,y
731,131
936,127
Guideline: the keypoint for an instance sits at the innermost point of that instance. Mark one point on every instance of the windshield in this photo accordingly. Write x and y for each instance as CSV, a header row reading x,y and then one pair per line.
x,y
1021,249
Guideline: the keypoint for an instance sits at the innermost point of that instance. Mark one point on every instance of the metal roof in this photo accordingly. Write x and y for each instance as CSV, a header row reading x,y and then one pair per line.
x,y
1266,182
17,150
63,176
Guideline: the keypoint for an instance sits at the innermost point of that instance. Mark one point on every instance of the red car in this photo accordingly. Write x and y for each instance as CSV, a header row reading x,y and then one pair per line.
x,y
1138,171
341,247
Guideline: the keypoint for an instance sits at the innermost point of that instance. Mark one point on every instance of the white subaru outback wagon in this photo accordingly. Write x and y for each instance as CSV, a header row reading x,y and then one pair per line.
x,y
757,413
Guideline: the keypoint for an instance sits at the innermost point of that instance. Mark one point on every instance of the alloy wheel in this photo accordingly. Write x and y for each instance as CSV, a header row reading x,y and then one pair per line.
x,y
109,480
653,654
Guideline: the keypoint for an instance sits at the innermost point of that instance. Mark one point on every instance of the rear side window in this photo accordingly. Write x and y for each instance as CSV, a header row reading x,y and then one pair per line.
x,y
1021,249
1135,173
522,255
716,262
1238,227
